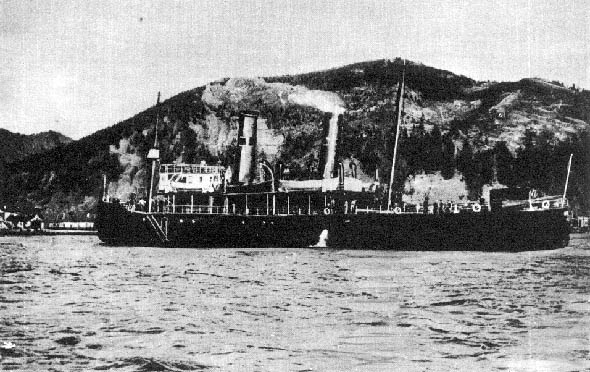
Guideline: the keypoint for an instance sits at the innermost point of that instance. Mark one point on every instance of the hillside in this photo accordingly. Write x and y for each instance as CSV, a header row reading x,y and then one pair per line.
x,y
478,133
16,146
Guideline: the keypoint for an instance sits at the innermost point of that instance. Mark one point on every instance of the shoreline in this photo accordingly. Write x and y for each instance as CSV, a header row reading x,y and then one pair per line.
x,y
46,232
50,232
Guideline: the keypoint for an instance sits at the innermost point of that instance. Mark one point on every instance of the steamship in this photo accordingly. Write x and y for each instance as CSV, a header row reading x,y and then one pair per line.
x,y
196,206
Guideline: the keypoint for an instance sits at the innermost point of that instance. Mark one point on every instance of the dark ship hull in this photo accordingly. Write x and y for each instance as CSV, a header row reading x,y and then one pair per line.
x,y
485,231
118,226
501,231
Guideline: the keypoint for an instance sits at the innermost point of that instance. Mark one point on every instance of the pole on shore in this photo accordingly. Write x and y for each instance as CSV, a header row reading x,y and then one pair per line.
x,y
569,167
104,188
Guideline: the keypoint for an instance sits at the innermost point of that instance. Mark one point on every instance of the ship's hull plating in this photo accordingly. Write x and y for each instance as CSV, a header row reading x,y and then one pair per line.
x,y
503,231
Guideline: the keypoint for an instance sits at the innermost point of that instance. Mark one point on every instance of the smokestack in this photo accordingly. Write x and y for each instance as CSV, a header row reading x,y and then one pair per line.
x,y
331,121
247,141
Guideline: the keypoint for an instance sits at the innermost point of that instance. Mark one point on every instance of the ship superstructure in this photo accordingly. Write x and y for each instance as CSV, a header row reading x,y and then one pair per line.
x,y
190,177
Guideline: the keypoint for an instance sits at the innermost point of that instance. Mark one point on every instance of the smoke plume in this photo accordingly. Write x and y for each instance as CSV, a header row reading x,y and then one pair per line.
x,y
319,99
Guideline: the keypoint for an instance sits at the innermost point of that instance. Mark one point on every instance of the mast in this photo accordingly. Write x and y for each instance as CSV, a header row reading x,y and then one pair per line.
x,y
154,156
400,100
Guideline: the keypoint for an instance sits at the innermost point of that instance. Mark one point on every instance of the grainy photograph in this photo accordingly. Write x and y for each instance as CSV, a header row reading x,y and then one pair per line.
x,y
301,186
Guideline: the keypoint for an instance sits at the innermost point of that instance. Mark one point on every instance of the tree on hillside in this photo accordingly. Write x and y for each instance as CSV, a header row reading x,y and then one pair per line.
x,y
447,157
433,150
504,164
477,169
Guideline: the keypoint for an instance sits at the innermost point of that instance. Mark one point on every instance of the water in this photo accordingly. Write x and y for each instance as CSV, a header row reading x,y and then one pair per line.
x,y
68,303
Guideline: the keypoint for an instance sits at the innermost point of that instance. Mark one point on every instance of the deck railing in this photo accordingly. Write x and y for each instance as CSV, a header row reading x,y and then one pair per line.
x,y
310,209
193,209
230,209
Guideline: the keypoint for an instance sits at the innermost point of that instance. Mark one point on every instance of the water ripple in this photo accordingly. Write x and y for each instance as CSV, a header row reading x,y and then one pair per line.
x,y
71,303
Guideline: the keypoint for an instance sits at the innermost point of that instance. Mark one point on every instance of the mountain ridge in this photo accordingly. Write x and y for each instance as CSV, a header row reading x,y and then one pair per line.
x,y
16,146
452,123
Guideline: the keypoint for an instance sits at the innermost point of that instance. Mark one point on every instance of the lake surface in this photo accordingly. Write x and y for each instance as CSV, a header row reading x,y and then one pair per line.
x,y
69,303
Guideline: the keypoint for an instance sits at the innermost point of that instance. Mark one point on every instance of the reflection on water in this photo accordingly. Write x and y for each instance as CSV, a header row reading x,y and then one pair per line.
x,y
70,303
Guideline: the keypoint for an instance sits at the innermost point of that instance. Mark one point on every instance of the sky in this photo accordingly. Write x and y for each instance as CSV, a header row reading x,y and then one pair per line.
x,y
80,66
